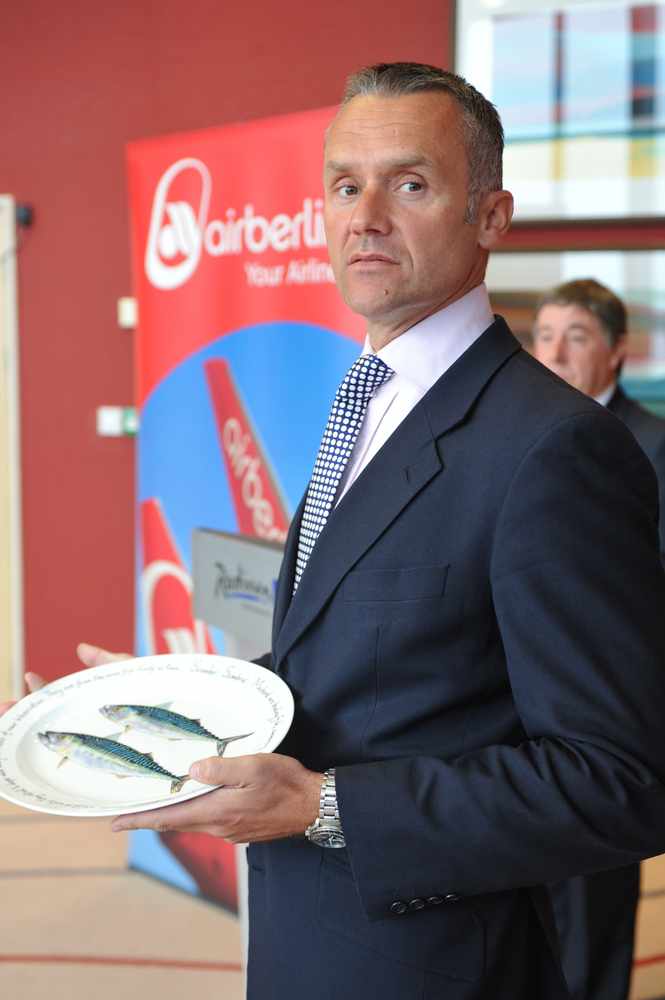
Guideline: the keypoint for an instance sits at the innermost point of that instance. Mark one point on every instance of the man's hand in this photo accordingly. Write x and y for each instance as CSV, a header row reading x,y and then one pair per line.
x,y
90,656
265,797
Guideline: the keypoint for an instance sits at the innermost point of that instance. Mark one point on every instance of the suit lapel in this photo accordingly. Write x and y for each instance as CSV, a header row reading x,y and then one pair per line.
x,y
402,467
376,497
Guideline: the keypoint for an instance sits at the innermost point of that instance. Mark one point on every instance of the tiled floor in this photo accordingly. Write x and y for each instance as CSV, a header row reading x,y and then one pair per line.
x,y
75,923
649,972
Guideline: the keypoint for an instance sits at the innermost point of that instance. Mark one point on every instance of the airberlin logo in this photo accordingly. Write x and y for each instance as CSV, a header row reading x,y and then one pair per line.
x,y
181,232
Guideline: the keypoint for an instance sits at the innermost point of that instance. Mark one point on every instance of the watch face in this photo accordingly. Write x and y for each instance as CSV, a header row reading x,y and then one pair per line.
x,y
328,838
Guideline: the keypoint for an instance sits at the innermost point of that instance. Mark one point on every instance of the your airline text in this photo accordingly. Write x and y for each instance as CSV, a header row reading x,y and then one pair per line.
x,y
298,272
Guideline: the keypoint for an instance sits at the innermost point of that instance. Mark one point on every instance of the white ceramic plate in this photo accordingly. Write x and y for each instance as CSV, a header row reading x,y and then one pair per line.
x,y
229,696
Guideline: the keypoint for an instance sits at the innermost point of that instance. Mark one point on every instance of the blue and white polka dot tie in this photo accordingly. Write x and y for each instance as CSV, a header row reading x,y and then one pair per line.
x,y
346,416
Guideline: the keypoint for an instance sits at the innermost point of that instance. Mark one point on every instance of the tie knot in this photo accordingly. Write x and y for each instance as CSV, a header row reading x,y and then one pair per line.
x,y
365,376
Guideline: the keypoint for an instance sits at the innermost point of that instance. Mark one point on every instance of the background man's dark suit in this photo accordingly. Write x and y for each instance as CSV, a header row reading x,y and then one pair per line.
x,y
457,648
596,914
649,431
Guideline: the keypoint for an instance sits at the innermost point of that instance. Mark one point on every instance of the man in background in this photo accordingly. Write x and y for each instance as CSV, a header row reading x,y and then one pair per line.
x,y
580,334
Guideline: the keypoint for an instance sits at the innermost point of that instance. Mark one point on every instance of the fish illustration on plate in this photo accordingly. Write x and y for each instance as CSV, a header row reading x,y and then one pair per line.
x,y
161,721
101,753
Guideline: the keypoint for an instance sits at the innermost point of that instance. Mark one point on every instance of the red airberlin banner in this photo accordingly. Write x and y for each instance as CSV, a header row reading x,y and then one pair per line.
x,y
242,341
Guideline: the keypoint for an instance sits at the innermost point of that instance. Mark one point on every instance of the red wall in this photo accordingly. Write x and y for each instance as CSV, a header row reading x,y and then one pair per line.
x,y
77,82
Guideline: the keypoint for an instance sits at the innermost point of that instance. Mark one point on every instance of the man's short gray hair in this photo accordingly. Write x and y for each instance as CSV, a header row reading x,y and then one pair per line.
x,y
481,124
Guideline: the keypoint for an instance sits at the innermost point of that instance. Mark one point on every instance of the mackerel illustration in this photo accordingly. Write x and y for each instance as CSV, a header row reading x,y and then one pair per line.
x,y
161,721
101,753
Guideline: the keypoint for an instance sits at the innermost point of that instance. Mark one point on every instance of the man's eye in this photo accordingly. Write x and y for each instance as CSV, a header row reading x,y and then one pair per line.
x,y
411,186
347,190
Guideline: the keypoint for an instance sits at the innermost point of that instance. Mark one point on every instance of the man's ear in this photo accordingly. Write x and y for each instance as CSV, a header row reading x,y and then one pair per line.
x,y
494,217
619,352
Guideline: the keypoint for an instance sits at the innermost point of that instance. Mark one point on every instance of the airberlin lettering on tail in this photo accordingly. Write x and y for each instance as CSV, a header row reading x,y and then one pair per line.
x,y
166,590
179,232
260,509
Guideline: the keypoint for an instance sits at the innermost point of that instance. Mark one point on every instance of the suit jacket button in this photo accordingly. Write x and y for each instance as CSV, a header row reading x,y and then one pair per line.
x,y
434,900
398,907
417,904
451,897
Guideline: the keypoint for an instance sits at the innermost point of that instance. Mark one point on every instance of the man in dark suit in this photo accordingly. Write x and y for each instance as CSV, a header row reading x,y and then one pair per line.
x,y
449,614
580,332
649,430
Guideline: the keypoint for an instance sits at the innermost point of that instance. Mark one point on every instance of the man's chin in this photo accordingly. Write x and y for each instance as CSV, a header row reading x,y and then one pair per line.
x,y
580,386
372,301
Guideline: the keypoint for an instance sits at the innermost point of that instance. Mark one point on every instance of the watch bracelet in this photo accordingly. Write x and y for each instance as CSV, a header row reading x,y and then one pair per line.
x,y
328,807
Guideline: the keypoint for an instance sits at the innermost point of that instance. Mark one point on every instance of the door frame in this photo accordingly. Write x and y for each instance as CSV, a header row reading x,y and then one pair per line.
x,y
11,568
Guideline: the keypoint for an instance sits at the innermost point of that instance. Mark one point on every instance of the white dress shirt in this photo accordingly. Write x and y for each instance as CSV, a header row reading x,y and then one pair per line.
x,y
605,396
419,357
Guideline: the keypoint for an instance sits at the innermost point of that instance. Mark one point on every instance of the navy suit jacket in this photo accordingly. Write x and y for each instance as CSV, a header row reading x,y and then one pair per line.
x,y
474,645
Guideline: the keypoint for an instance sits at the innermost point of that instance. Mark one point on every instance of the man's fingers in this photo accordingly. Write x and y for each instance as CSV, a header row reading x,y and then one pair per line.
x,y
95,656
211,771
196,812
232,772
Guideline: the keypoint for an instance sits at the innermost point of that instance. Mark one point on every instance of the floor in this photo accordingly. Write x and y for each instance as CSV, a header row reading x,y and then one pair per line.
x,y
649,969
74,923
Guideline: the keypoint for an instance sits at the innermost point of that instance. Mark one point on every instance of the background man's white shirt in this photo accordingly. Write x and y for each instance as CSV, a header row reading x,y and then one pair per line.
x,y
604,397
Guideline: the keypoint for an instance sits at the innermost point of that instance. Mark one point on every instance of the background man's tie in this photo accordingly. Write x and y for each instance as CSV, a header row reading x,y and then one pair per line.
x,y
346,415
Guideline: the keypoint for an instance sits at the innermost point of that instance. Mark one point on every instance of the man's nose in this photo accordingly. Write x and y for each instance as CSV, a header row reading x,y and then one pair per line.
x,y
559,349
370,212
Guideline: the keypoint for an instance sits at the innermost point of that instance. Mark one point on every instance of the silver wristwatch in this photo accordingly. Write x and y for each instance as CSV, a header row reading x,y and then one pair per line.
x,y
326,830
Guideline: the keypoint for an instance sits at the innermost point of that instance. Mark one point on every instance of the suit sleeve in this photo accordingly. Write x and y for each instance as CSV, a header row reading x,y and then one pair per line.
x,y
579,594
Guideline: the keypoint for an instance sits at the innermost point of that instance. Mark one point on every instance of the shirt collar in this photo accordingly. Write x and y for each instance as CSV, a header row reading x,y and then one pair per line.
x,y
605,396
425,351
